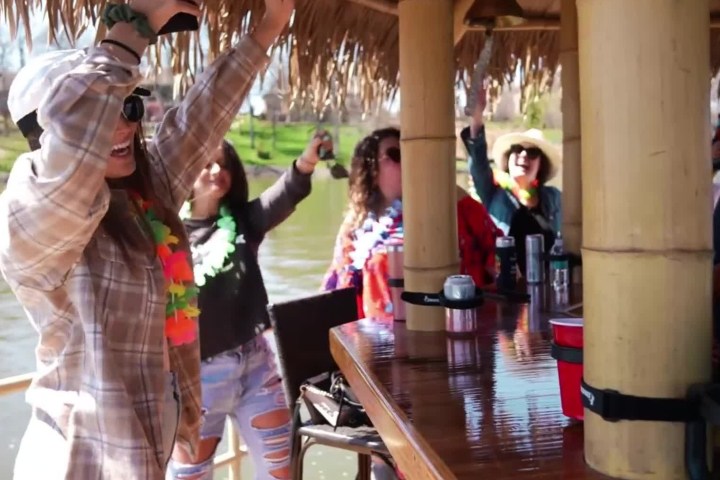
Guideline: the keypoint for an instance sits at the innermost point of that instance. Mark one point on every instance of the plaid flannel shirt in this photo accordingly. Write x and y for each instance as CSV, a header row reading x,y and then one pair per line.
x,y
100,376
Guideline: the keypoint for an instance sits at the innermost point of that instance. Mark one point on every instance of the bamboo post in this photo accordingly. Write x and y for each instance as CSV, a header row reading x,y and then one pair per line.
x,y
427,114
572,187
461,8
646,175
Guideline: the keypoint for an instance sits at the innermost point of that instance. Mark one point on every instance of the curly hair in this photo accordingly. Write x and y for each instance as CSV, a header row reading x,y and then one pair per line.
x,y
364,193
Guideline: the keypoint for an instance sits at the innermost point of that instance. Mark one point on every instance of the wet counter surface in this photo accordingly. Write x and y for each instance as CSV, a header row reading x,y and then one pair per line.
x,y
483,407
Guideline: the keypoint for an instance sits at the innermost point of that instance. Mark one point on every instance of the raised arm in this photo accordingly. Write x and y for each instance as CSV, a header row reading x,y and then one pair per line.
x,y
189,132
276,203
473,138
56,196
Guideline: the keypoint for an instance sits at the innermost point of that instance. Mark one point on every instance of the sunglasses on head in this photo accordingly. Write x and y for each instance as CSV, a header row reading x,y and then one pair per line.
x,y
530,152
393,153
133,109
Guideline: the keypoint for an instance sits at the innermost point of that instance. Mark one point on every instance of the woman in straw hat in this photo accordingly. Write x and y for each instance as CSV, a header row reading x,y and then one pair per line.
x,y
525,162
515,192
92,245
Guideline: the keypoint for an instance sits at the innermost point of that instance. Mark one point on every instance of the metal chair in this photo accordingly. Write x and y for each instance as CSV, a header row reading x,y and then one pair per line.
x,y
301,333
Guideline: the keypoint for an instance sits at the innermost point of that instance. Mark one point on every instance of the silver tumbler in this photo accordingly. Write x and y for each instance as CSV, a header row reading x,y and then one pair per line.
x,y
396,279
534,265
460,321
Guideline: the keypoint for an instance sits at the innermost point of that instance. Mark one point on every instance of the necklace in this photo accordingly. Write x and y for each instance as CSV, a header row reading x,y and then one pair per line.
x,y
376,231
210,261
180,311
505,181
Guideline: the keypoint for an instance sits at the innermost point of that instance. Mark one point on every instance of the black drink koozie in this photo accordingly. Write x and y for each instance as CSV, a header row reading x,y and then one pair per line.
x,y
182,22
507,265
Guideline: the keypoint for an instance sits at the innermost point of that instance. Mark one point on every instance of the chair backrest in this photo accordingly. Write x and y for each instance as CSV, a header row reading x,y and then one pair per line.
x,y
301,328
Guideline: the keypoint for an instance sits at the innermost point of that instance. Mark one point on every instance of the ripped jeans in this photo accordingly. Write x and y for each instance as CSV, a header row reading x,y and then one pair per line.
x,y
243,384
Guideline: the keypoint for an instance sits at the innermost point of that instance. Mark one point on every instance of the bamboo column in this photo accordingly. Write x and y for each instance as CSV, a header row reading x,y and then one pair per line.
x,y
572,187
644,73
427,114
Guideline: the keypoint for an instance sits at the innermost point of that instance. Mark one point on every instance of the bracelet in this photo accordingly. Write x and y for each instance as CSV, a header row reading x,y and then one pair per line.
x,y
115,13
123,46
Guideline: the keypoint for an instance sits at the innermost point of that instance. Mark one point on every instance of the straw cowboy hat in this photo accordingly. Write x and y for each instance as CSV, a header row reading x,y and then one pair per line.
x,y
533,137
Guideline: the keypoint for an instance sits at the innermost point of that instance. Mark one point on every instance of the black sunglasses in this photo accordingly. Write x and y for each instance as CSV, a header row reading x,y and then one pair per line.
x,y
393,153
530,152
133,109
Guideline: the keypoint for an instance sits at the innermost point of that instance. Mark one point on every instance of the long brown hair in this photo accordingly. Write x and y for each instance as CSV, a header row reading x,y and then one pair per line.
x,y
365,196
238,196
115,221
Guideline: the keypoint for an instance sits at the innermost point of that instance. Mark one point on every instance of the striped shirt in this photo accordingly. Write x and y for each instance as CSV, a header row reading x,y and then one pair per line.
x,y
100,378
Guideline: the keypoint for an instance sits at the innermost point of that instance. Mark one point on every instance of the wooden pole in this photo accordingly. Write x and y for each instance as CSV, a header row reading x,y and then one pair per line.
x,y
460,10
646,175
571,184
427,114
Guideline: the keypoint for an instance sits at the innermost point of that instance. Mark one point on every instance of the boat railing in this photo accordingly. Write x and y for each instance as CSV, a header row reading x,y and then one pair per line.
x,y
230,458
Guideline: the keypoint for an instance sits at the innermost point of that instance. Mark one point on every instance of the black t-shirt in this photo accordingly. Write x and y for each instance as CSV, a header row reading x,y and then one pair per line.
x,y
233,302
526,221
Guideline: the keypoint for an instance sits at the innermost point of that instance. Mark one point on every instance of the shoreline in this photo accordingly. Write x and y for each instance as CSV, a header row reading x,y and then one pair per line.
x,y
322,171
252,172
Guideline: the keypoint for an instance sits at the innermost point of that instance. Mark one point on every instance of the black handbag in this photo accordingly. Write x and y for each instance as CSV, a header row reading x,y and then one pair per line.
x,y
330,401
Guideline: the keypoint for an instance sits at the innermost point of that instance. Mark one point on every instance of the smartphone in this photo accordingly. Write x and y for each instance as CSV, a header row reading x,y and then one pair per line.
x,y
182,22
323,152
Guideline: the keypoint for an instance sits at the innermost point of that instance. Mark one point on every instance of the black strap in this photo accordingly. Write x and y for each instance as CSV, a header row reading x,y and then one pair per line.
x,y
707,398
122,46
396,282
612,406
28,123
439,299
566,354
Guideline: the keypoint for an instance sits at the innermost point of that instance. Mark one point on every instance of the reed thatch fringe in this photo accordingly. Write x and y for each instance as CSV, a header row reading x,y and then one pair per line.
x,y
336,47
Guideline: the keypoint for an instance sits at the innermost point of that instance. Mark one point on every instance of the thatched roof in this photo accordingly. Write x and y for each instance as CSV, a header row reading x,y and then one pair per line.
x,y
341,45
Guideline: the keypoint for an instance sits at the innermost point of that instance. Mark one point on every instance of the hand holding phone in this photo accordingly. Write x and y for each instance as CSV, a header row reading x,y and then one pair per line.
x,y
325,149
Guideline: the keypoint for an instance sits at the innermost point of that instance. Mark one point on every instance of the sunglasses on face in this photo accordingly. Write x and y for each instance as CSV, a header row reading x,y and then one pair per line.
x,y
393,153
133,109
530,152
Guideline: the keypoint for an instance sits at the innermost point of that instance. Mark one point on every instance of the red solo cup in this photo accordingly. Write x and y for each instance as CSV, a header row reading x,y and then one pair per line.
x,y
567,350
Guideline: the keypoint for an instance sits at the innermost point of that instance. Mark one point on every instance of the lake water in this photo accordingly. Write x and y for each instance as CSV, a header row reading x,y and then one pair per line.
x,y
293,257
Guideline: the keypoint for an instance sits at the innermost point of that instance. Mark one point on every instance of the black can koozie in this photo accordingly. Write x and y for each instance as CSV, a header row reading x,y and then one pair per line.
x,y
506,263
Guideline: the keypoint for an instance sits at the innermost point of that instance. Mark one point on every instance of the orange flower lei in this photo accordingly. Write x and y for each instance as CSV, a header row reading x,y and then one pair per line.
x,y
181,313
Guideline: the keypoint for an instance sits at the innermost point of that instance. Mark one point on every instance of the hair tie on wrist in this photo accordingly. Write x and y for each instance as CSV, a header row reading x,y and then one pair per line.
x,y
123,46
116,13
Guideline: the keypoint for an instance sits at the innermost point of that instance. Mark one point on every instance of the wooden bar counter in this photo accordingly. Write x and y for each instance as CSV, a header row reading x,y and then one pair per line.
x,y
483,407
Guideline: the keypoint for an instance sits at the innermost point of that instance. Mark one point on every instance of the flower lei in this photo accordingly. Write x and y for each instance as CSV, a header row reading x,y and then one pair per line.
x,y
505,181
214,259
375,232
180,312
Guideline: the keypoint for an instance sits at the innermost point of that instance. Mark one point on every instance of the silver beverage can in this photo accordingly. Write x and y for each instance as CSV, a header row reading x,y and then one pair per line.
x,y
460,321
534,265
396,281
